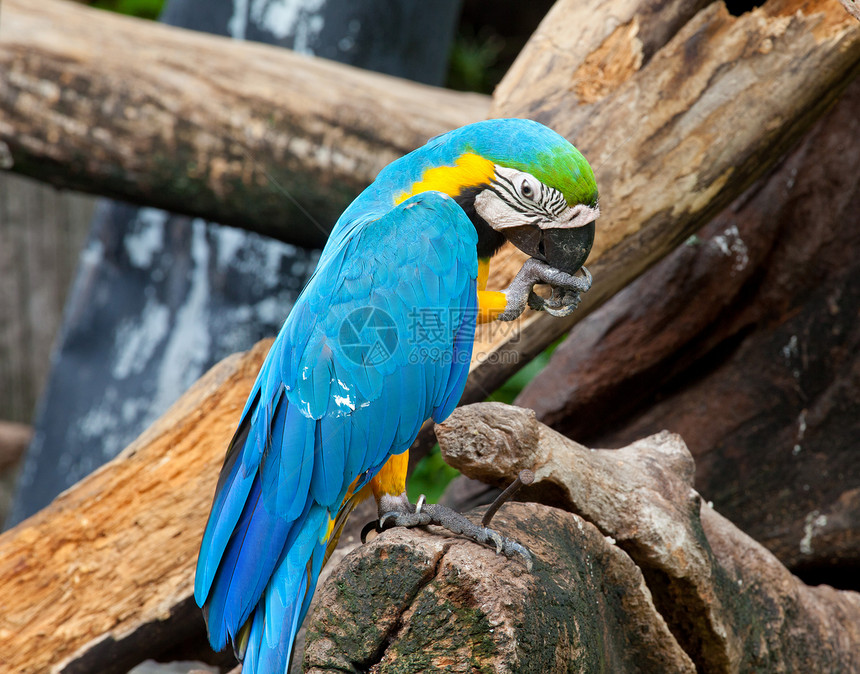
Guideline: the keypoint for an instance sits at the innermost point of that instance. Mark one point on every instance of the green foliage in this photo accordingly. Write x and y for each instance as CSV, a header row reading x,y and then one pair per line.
x,y
144,9
430,477
474,60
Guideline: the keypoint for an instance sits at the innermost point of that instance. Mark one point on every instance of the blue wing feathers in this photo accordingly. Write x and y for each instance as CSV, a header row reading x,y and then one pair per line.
x,y
230,496
328,474
412,388
245,569
461,357
322,413
320,377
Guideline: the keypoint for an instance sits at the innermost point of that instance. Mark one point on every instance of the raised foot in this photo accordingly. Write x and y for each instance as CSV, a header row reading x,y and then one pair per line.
x,y
566,290
403,514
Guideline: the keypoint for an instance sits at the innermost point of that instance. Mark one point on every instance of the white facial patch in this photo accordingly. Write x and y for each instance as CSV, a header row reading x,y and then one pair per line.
x,y
518,198
578,216
497,213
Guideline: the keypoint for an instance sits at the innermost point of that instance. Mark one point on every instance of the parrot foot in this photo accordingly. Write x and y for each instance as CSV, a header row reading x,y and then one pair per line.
x,y
566,290
397,511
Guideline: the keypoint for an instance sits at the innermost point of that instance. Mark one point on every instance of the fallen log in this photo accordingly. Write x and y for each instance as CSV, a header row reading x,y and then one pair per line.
x,y
762,306
241,133
102,578
728,602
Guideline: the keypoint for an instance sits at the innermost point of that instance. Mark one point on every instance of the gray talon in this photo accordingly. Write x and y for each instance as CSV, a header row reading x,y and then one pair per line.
x,y
565,294
497,540
399,519
513,548
397,511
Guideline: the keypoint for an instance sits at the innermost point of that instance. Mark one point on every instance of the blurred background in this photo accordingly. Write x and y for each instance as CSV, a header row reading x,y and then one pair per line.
x,y
745,340
87,416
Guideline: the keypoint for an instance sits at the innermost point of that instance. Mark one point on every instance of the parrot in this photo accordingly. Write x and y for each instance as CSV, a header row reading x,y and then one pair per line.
x,y
379,341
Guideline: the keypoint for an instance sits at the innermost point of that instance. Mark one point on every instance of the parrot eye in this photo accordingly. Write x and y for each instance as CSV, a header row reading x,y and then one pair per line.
x,y
526,189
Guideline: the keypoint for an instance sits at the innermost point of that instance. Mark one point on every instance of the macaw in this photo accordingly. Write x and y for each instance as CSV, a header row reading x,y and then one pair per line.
x,y
379,341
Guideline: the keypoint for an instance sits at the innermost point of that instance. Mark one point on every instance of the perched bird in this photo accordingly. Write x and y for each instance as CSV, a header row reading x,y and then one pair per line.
x,y
379,341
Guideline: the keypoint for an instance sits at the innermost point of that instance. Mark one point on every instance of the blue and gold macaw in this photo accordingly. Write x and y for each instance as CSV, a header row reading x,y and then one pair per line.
x,y
379,341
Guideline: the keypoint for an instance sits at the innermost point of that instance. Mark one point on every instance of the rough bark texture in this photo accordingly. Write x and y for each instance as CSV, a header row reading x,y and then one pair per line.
x,y
729,602
745,341
102,578
678,136
417,601
240,133
852,8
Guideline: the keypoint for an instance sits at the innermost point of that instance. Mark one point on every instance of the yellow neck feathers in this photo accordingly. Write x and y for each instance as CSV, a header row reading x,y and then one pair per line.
x,y
470,170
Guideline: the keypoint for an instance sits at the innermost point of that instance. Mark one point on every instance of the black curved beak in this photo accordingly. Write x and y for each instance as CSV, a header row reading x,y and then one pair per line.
x,y
563,249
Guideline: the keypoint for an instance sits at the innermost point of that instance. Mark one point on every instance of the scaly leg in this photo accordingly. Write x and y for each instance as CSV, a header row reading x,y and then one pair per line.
x,y
398,511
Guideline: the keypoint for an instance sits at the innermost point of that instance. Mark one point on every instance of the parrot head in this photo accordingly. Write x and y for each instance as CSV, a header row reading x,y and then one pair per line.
x,y
516,179
540,195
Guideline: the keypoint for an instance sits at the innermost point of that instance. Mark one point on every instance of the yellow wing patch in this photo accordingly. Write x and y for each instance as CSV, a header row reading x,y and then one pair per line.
x,y
483,272
470,170
391,479
490,302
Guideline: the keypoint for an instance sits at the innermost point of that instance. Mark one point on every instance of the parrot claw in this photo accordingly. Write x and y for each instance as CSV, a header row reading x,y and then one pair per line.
x,y
401,513
562,302
566,290
397,519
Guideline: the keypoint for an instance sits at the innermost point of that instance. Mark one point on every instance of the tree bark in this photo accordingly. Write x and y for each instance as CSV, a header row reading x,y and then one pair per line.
x,y
244,134
675,140
102,578
729,602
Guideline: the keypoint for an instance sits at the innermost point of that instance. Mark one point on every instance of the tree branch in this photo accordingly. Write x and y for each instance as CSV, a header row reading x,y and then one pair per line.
x,y
729,602
102,578
241,133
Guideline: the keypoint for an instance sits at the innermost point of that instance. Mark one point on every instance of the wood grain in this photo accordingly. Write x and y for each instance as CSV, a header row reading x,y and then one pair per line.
x,y
244,134
676,141
88,580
